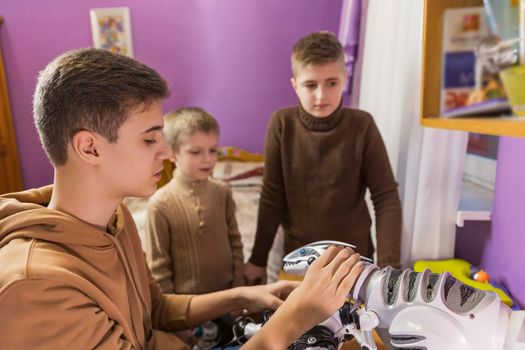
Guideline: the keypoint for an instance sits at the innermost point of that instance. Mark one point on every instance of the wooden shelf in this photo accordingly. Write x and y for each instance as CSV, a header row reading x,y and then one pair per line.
x,y
500,126
431,80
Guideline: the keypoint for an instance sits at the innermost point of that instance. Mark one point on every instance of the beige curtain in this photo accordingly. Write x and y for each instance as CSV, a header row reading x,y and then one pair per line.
x,y
428,163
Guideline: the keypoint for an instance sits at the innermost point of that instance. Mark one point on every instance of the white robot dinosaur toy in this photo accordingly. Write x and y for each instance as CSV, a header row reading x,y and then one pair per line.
x,y
408,310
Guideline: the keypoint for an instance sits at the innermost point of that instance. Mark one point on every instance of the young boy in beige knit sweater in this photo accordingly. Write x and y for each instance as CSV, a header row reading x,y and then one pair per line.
x,y
193,244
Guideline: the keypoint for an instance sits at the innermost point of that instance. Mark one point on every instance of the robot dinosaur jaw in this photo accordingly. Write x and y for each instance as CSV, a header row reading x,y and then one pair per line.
x,y
298,261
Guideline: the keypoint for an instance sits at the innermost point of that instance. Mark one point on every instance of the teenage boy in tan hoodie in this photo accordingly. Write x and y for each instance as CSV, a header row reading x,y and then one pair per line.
x,y
73,275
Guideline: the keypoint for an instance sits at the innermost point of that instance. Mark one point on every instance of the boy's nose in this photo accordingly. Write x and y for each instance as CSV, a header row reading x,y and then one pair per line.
x,y
207,156
319,92
165,149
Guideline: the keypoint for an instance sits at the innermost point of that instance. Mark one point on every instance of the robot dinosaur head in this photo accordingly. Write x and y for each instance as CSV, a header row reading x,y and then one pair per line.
x,y
297,262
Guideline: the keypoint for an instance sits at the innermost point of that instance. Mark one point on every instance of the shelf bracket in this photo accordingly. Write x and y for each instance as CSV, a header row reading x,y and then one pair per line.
x,y
470,215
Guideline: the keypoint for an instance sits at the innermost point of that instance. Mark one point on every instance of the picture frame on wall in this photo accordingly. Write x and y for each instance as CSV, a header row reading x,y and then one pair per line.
x,y
111,29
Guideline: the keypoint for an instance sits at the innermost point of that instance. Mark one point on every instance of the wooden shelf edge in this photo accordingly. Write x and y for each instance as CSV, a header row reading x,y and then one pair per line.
x,y
500,126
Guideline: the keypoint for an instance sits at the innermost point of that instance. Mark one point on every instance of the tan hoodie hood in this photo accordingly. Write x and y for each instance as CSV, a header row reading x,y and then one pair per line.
x,y
86,287
25,215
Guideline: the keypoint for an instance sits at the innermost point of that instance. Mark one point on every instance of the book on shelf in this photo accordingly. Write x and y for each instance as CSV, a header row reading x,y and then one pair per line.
x,y
492,107
467,88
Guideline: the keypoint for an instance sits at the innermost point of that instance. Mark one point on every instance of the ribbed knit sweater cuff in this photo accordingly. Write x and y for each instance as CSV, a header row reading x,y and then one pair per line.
x,y
258,260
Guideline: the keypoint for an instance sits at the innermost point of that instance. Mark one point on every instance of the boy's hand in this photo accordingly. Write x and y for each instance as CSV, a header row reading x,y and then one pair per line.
x,y
326,285
254,274
266,297
323,291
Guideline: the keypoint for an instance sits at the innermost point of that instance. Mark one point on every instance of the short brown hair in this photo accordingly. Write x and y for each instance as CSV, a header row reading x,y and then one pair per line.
x,y
90,89
316,48
186,121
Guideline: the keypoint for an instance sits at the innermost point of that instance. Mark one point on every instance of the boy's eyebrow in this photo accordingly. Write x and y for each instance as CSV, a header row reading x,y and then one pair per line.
x,y
153,128
315,81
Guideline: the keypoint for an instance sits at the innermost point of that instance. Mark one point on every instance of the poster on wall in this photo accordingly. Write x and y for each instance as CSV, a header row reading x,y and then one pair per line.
x,y
111,30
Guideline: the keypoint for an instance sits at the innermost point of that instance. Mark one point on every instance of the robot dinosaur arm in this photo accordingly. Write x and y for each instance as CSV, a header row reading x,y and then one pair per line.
x,y
424,310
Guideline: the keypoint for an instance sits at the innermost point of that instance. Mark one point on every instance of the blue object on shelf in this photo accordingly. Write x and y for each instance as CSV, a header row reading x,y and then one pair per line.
x,y
459,69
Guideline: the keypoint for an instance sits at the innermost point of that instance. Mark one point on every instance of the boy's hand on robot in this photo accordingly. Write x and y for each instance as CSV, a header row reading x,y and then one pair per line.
x,y
329,278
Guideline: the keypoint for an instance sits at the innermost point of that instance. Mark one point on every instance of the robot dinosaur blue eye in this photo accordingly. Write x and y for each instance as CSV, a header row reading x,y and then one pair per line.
x,y
302,251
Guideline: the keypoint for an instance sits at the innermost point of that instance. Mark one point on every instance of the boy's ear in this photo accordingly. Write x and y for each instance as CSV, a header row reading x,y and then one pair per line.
x,y
84,144
294,83
173,157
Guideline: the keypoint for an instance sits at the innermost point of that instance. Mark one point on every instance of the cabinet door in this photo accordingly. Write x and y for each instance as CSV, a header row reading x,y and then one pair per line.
x,y
10,179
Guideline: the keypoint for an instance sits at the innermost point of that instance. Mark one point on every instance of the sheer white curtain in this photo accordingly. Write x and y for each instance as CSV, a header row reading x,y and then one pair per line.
x,y
428,163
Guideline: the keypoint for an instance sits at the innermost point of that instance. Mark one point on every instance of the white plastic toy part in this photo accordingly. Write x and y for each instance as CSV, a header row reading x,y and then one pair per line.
x,y
424,310
298,261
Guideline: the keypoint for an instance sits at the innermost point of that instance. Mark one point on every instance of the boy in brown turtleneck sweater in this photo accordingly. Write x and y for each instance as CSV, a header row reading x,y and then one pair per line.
x,y
319,160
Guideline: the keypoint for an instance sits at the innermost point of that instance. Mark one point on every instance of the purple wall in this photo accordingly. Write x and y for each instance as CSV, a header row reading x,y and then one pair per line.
x,y
504,253
499,246
230,57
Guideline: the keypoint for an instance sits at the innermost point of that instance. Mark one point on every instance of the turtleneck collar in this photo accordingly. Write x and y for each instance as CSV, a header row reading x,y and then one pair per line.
x,y
321,124
185,182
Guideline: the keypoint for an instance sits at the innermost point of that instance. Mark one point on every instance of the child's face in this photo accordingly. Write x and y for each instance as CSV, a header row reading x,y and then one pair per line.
x,y
132,166
197,154
320,87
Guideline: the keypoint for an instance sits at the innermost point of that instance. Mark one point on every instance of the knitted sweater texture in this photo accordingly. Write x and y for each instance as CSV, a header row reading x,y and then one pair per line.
x,y
192,239
316,174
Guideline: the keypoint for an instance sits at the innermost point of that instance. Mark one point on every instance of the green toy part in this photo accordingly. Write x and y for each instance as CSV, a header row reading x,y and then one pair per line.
x,y
460,269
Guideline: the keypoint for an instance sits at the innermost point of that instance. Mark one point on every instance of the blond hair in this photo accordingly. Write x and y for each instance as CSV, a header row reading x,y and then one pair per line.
x,y
186,121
